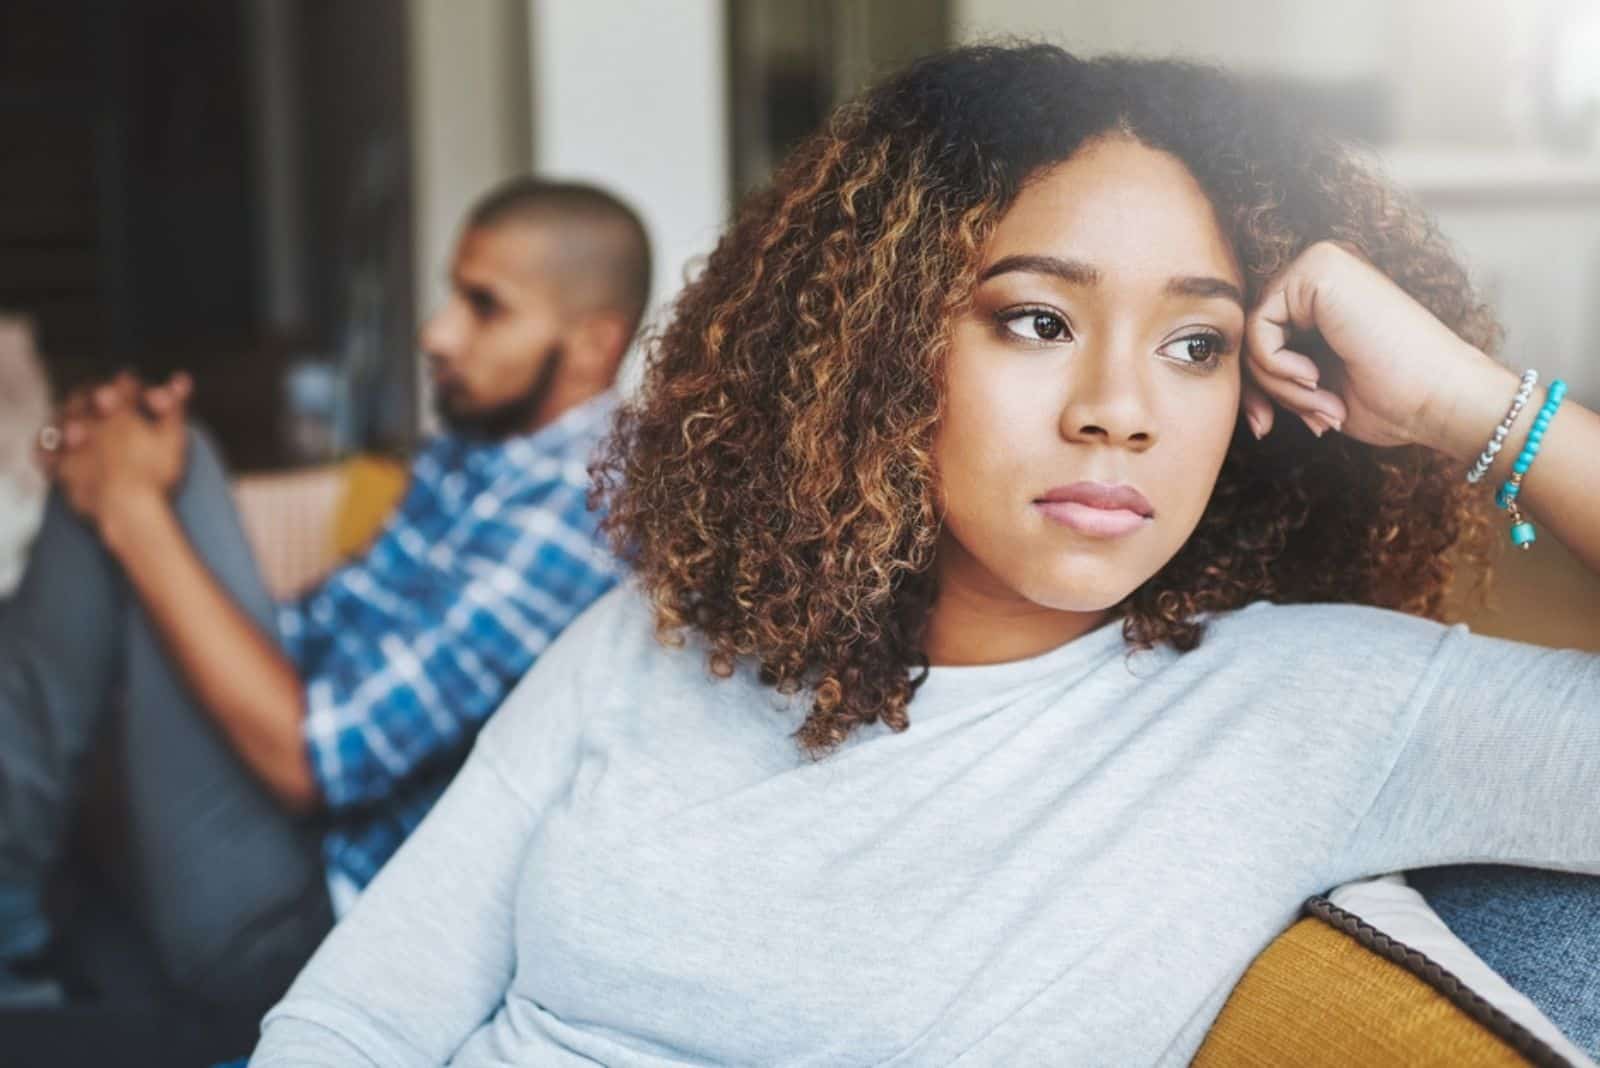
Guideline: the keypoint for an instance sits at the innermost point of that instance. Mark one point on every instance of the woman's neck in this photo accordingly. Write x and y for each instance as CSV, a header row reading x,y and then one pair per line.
x,y
971,624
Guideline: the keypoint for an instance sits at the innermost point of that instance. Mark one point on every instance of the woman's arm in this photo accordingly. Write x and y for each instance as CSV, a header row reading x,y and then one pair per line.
x,y
1495,759
427,954
1403,377
1496,755
1562,490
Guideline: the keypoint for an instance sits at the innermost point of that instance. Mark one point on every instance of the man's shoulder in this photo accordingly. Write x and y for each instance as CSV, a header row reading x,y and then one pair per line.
x,y
507,470
437,456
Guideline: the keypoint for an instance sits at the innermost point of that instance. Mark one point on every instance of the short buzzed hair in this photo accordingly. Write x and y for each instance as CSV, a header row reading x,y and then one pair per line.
x,y
601,240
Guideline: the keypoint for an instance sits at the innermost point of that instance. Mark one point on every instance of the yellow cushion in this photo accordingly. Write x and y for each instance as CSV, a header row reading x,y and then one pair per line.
x,y
373,486
1317,997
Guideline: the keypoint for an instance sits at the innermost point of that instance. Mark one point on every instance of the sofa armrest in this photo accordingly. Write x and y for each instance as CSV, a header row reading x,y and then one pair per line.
x,y
301,524
289,521
1334,991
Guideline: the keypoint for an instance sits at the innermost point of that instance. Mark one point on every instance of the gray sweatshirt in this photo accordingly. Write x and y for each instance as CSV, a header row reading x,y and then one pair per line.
x,y
1069,859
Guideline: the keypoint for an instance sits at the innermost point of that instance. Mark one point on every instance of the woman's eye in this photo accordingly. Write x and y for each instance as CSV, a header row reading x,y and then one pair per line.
x,y
1035,325
1201,349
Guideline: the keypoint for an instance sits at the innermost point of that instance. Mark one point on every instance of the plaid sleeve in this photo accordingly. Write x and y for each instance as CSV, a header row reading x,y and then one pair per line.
x,y
411,688
296,634
308,625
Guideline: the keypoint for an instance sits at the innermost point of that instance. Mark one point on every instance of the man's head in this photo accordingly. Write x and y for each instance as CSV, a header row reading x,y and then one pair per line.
x,y
547,287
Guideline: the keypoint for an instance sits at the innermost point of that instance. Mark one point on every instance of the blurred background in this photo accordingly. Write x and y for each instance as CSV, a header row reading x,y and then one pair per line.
x,y
266,192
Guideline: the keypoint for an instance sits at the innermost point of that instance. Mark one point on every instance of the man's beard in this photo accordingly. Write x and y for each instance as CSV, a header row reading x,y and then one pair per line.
x,y
505,420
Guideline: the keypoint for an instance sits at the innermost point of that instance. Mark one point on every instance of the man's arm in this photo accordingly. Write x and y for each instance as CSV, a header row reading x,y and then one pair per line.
x,y
251,689
444,640
118,472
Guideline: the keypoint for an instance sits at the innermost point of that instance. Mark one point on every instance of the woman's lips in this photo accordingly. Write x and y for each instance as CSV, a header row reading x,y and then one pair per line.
x,y
1098,509
1095,522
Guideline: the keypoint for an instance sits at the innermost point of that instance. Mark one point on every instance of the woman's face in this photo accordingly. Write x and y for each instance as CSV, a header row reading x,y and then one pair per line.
x,y
1101,346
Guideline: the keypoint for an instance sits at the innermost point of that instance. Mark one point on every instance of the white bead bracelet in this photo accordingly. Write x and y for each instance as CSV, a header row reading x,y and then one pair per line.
x,y
1524,391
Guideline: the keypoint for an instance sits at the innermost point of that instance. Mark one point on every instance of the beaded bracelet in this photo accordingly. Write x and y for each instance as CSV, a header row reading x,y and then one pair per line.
x,y
1524,391
1522,532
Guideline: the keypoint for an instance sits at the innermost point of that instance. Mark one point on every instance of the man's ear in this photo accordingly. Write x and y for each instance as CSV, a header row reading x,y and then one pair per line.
x,y
597,345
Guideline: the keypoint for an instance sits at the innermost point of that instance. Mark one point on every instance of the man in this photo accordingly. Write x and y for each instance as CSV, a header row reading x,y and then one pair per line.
x,y
24,408
274,757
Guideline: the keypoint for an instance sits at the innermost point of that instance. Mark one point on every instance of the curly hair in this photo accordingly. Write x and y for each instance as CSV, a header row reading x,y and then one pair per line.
x,y
774,486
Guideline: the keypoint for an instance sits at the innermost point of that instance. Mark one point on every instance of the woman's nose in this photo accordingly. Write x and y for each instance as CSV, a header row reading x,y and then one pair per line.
x,y
1106,403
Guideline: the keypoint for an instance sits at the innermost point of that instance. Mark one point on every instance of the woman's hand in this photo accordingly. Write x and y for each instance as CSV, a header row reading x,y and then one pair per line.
x,y
1398,365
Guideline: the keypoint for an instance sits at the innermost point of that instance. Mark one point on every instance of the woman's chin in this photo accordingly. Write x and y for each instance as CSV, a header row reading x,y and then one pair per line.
x,y
1084,591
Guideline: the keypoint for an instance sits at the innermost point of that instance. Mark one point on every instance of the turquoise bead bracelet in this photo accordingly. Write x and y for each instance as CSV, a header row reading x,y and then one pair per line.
x,y
1522,533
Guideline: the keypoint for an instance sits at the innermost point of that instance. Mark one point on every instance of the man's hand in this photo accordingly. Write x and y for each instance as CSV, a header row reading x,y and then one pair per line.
x,y
120,451
122,446
75,419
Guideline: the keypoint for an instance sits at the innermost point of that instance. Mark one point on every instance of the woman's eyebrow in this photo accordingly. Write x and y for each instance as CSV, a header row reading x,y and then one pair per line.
x,y
1074,271
1078,273
1204,286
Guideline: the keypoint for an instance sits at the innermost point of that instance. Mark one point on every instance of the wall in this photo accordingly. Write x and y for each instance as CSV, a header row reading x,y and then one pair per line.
x,y
1315,40
1456,70
470,126
632,95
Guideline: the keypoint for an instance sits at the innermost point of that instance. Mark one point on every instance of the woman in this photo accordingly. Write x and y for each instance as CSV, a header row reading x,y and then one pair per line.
x,y
1030,625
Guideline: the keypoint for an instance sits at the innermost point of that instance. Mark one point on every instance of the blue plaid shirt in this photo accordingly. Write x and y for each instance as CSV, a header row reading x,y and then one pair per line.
x,y
408,649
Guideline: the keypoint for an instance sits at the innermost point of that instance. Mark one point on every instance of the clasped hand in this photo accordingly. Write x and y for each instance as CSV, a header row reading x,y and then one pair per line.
x,y
119,442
